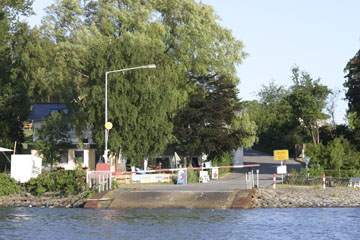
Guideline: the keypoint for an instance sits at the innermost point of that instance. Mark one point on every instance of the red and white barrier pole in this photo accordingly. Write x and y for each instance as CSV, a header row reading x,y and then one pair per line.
x,y
274,180
324,181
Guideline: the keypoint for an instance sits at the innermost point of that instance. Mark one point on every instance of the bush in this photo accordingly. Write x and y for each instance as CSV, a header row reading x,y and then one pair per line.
x,y
65,182
8,185
225,160
193,176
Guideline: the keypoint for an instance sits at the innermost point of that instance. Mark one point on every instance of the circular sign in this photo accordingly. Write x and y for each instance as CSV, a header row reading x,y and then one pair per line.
x,y
108,125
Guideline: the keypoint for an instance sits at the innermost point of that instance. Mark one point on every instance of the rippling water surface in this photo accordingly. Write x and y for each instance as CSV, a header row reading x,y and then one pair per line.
x,y
300,223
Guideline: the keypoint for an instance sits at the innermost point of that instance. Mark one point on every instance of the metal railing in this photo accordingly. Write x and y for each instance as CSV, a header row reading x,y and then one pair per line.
x,y
99,179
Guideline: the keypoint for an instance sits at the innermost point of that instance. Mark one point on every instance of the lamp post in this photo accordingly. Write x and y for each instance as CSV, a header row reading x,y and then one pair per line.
x,y
108,126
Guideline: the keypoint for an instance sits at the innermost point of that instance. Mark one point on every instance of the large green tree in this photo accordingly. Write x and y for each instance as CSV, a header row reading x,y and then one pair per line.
x,y
352,94
14,107
276,128
184,40
209,123
308,99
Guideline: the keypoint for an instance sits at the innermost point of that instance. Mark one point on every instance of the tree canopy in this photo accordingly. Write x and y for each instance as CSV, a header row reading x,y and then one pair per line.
x,y
183,39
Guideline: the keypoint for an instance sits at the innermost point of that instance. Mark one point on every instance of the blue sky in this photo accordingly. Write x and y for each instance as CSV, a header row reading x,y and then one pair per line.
x,y
319,36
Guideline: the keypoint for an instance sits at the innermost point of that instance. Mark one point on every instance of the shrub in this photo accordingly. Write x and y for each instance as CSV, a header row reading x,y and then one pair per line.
x,y
66,182
8,185
193,176
225,160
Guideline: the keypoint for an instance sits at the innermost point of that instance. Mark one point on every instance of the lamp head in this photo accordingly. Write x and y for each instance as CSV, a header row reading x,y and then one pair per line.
x,y
150,66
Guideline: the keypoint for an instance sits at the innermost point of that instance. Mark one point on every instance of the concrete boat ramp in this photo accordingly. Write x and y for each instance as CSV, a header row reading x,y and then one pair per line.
x,y
224,193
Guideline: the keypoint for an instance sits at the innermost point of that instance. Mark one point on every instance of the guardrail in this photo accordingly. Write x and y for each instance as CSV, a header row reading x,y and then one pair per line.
x,y
99,179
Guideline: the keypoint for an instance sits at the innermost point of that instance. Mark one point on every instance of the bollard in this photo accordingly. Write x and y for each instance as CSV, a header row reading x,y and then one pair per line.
x,y
274,180
324,182
257,178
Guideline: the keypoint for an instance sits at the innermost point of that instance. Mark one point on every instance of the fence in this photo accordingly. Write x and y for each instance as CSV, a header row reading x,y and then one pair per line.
x,y
316,180
99,179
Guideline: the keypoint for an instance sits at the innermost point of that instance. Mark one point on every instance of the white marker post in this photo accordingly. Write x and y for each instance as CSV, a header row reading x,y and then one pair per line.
x,y
274,180
324,181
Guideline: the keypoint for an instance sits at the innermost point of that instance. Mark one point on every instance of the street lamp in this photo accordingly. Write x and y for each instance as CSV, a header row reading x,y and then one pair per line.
x,y
108,126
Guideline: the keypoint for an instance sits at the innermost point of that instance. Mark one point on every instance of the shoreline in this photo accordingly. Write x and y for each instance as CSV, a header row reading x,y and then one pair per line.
x,y
306,197
282,197
48,202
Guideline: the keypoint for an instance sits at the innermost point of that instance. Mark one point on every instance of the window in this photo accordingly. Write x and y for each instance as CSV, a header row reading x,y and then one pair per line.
x,y
64,156
79,156
54,111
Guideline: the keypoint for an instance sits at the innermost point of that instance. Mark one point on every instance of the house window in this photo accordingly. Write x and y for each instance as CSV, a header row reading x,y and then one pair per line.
x,y
54,111
79,156
64,157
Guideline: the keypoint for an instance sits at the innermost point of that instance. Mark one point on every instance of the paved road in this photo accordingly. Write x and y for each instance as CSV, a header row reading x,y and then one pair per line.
x,y
233,181
268,165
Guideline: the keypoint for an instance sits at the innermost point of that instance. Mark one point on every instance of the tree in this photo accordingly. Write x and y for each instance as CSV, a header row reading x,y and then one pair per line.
x,y
53,137
352,94
14,105
308,98
209,122
353,83
276,128
182,38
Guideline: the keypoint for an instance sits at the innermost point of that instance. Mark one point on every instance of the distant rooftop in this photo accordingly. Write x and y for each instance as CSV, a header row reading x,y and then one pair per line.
x,y
42,110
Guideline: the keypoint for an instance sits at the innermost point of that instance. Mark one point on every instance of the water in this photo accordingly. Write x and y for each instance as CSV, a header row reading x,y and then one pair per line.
x,y
300,223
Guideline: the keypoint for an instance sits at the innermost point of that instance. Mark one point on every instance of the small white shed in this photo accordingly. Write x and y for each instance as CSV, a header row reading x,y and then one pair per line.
x,y
25,166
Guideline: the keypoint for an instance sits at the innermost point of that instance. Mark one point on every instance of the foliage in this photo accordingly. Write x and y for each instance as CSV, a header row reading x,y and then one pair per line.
x,y
193,176
307,99
276,128
353,83
14,104
224,160
315,169
338,154
208,123
181,37
243,123
8,185
53,137
67,182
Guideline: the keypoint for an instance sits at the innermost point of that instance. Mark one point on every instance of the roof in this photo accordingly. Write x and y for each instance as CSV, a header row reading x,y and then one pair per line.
x,y
42,110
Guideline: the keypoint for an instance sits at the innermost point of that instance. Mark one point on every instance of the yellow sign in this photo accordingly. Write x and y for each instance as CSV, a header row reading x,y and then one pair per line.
x,y
108,125
281,154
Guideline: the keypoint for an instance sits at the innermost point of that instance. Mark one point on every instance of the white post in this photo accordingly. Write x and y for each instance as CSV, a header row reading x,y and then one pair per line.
x,y
274,180
257,178
99,185
103,182
110,175
252,178
246,180
324,181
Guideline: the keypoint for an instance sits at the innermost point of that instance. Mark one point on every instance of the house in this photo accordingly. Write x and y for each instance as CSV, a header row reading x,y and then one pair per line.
x,y
83,151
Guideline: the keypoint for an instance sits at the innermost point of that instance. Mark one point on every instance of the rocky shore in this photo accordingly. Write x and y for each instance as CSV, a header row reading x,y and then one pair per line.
x,y
303,197
31,201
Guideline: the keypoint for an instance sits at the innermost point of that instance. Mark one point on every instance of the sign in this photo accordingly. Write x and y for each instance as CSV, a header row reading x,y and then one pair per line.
x,y
181,177
281,169
204,176
281,155
215,173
